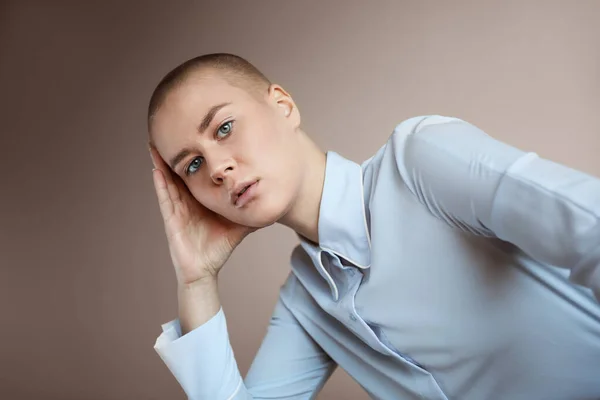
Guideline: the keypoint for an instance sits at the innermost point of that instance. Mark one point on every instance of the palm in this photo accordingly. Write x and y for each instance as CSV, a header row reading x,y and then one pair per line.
x,y
200,240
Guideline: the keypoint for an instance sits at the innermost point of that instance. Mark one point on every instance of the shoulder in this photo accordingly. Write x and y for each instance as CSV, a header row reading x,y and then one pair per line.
x,y
419,142
413,129
414,125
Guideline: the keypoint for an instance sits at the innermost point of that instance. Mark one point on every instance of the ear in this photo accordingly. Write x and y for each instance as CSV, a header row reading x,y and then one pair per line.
x,y
285,104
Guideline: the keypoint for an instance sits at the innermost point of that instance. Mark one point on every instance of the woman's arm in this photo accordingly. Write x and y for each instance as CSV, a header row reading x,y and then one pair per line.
x,y
482,185
289,364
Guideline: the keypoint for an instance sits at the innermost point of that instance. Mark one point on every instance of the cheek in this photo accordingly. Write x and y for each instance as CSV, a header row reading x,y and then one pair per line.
x,y
205,198
267,137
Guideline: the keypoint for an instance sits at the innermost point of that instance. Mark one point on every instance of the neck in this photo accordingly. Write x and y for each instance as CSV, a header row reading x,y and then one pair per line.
x,y
303,216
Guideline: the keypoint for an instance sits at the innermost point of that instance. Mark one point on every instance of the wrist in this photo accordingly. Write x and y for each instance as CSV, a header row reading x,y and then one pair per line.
x,y
198,302
200,283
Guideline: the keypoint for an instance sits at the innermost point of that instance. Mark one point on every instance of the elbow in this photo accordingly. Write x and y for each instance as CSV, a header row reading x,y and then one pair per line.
x,y
584,260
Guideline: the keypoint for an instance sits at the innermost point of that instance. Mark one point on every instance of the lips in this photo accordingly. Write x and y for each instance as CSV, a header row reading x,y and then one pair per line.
x,y
245,194
243,190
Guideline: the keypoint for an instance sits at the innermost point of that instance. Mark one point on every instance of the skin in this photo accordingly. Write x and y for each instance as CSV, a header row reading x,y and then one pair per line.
x,y
264,141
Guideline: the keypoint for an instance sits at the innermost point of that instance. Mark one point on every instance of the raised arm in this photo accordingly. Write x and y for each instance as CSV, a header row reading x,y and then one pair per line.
x,y
482,185
195,347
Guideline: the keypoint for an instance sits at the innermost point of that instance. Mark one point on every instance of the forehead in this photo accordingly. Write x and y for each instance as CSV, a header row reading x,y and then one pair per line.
x,y
196,95
185,107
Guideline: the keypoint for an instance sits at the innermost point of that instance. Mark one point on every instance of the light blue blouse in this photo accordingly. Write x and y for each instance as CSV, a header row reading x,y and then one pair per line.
x,y
450,266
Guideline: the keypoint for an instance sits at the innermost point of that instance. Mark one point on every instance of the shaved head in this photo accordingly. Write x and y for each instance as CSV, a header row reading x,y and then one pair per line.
x,y
235,70
220,124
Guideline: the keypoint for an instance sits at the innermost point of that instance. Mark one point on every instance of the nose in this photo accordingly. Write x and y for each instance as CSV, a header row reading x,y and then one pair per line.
x,y
221,170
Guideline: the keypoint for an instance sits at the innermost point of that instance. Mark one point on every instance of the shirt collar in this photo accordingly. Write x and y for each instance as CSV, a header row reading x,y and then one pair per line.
x,y
342,216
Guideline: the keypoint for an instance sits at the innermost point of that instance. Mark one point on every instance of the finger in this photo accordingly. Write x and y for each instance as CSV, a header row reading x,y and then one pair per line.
x,y
172,187
157,159
164,200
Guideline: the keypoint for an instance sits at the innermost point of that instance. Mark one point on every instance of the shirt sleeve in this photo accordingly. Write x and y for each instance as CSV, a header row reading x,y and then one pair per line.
x,y
288,365
481,185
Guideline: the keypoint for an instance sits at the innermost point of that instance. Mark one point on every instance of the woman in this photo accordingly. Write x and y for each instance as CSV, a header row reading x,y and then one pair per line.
x,y
430,271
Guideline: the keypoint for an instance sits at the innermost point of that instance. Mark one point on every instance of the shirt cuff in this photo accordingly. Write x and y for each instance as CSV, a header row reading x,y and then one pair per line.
x,y
202,360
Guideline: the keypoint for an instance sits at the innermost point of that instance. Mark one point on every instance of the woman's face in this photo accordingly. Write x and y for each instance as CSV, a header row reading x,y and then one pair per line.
x,y
244,141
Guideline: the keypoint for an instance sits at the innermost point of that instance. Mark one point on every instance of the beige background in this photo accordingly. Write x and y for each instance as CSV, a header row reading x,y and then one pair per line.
x,y
85,277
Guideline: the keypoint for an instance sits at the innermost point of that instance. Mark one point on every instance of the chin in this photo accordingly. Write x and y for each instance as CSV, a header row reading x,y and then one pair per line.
x,y
263,218
263,214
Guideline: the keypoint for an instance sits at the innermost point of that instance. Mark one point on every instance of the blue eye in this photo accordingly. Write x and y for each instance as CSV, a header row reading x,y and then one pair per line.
x,y
195,164
227,131
224,129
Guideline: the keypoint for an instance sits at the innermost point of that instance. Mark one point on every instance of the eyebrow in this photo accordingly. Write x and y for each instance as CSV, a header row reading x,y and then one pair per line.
x,y
206,121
